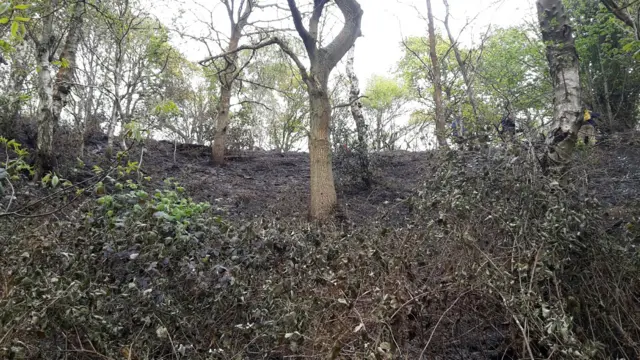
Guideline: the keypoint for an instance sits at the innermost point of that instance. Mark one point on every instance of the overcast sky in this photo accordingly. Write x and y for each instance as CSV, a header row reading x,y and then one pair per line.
x,y
384,24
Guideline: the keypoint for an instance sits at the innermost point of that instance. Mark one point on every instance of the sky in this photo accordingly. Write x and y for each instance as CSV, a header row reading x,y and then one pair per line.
x,y
384,24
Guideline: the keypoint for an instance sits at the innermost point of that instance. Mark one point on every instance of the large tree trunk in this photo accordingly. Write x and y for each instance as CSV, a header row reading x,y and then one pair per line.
x,y
46,120
437,81
323,192
323,60
222,121
463,67
54,95
565,74
362,150
65,77
44,47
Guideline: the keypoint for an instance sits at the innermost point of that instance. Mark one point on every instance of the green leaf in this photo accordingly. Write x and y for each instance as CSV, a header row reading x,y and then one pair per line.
x,y
14,29
4,20
46,178
21,7
20,18
55,180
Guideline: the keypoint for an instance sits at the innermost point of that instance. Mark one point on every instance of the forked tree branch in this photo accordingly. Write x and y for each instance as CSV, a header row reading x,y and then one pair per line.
x,y
272,41
307,39
352,13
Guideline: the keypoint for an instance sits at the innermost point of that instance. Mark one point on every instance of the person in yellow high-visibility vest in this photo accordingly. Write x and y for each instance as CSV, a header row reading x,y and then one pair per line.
x,y
588,129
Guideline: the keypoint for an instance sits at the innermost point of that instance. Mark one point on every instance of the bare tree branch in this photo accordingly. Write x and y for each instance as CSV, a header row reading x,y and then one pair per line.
x,y
309,41
274,40
352,13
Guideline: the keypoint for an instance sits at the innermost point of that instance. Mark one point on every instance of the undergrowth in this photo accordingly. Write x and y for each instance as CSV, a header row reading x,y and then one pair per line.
x,y
496,262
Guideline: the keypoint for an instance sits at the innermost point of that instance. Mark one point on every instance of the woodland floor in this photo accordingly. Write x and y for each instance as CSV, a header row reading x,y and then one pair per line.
x,y
394,255
276,185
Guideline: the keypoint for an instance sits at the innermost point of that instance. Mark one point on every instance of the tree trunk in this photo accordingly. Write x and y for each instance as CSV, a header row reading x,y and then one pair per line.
x,y
90,124
362,150
222,124
65,76
437,81
54,95
607,100
44,46
564,69
323,60
227,77
378,142
323,192
463,67
111,128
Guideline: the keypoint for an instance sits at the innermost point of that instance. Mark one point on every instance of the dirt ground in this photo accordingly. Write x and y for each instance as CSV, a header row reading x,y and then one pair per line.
x,y
276,185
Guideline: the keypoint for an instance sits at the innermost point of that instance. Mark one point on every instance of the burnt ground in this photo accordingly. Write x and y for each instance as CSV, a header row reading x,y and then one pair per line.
x,y
276,185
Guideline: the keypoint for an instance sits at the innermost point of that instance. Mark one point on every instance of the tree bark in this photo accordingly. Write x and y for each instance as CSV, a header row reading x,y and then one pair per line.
x,y
437,81
323,192
378,142
323,60
607,100
362,149
227,77
463,67
565,74
65,77
44,47
224,104
54,94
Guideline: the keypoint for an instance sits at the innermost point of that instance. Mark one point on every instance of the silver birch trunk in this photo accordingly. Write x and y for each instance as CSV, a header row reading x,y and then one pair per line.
x,y
362,150
565,74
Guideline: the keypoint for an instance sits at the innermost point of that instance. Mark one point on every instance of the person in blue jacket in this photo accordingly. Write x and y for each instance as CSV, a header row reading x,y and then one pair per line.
x,y
589,123
457,129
